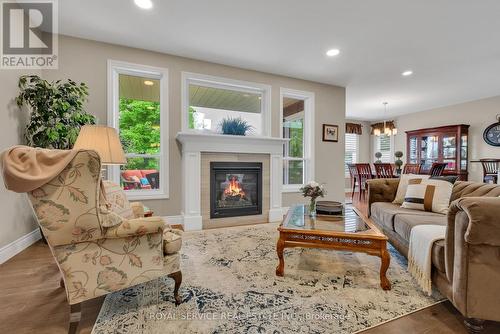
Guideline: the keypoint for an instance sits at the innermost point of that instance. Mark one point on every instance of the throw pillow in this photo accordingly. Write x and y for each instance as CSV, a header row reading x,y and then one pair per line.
x,y
144,181
403,184
428,195
115,196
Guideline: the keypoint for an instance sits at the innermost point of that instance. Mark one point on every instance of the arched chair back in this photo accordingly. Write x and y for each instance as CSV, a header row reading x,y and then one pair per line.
x,y
411,169
353,172
490,170
437,168
364,172
384,170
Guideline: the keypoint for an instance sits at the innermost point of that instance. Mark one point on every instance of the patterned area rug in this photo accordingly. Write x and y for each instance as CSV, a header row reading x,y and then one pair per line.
x,y
230,286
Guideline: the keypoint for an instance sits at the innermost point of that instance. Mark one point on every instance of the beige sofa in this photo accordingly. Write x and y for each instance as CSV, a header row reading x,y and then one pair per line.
x,y
466,265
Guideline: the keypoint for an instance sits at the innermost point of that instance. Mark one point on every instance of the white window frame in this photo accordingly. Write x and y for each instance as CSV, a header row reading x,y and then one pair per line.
x,y
376,148
230,84
356,153
308,158
115,68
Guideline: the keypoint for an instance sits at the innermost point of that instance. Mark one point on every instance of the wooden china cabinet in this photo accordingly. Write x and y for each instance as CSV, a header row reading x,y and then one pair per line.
x,y
447,144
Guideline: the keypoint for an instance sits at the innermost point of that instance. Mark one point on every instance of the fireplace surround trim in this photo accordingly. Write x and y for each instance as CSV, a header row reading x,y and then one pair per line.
x,y
195,142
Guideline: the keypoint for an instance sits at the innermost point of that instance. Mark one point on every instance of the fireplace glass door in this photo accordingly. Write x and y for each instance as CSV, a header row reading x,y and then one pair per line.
x,y
236,189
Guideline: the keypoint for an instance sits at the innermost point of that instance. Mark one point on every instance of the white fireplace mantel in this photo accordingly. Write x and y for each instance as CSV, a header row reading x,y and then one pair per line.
x,y
195,142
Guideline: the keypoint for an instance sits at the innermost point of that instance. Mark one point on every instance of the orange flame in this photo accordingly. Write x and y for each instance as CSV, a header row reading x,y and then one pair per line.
x,y
234,188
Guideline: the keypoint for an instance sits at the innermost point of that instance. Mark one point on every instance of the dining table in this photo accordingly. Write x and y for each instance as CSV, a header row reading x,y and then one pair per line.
x,y
498,163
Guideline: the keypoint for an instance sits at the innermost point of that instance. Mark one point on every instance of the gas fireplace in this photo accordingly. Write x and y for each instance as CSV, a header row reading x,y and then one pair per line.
x,y
235,189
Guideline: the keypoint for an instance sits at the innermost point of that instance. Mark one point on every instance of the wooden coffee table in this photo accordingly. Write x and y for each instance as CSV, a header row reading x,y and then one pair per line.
x,y
347,233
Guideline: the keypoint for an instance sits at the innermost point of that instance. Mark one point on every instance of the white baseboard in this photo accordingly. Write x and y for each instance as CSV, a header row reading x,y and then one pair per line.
x,y
17,246
192,223
174,220
275,215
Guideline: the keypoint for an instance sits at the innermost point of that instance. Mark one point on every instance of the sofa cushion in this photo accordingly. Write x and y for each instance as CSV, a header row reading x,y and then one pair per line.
x,y
403,223
130,173
383,213
437,256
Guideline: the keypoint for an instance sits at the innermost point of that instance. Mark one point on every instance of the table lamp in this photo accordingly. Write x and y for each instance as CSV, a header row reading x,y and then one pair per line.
x,y
104,140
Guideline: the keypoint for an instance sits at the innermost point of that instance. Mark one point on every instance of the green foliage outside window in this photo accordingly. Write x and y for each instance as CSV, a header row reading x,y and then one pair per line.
x,y
296,145
191,118
296,150
140,131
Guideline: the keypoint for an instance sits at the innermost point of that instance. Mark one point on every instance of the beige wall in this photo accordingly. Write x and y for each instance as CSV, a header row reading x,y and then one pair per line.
x,y
478,114
17,219
84,60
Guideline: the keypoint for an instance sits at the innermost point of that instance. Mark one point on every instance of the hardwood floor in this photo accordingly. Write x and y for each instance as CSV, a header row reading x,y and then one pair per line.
x,y
31,301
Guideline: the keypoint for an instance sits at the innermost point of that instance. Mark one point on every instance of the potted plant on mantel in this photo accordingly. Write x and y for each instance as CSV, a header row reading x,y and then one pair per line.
x,y
235,126
57,112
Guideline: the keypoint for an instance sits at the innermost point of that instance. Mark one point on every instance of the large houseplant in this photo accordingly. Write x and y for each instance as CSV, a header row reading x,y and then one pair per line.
x,y
56,111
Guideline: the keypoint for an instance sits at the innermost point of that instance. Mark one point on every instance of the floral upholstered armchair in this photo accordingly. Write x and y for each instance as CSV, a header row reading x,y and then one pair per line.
x,y
100,241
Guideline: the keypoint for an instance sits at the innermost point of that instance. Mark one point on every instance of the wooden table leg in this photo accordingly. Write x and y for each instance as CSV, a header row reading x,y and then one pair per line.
x,y
280,246
384,265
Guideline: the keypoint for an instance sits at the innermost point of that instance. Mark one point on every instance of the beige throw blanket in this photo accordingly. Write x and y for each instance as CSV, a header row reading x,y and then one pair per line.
x,y
26,168
422,239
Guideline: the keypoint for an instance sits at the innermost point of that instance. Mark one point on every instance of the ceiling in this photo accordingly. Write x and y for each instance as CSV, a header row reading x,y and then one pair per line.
x,y
451,45
133,87
218,98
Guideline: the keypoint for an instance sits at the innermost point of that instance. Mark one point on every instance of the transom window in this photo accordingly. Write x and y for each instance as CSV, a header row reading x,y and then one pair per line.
x,y
208,100
137,96
297,110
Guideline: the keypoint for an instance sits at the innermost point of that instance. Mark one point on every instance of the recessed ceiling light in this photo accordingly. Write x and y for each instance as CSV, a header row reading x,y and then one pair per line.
x,y
144,4
407,73
332,52
149,83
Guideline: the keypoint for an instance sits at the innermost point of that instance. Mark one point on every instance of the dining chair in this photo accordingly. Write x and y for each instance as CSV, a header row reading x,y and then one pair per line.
x,y
411,169
353,172
384,170
364,173
437,168
490,170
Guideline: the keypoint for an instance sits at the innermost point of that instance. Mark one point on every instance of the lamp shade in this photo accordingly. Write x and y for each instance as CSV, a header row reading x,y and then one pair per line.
x,y
104,140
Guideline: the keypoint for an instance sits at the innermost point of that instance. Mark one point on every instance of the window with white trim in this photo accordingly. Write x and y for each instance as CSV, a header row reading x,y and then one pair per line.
x,y
297,109
209,100
383,144
138,104
351,151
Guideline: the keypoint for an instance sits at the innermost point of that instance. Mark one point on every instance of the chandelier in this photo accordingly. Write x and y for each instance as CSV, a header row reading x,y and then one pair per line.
x,y
388,128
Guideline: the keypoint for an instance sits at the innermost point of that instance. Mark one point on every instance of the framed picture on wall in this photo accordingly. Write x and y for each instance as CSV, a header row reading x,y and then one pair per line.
x,y
330,133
